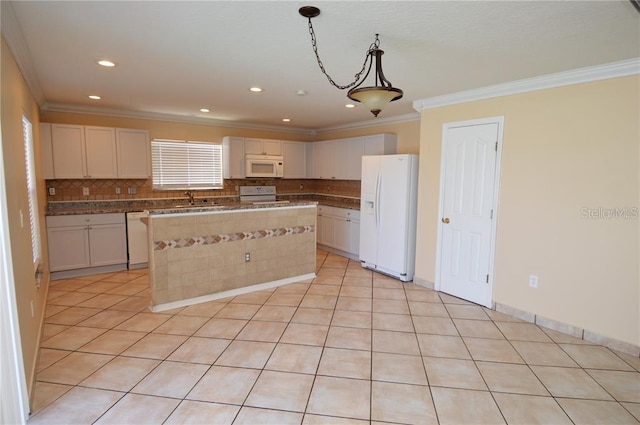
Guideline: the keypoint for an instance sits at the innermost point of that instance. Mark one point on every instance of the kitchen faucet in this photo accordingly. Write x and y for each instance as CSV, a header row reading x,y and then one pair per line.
x,y
190,195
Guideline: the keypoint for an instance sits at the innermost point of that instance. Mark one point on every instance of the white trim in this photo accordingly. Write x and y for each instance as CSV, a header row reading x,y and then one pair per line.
x,y
230,293
413,116
496,191
576,76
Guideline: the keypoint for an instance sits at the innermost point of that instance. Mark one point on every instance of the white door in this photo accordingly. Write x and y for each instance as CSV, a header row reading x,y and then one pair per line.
x,y
468,191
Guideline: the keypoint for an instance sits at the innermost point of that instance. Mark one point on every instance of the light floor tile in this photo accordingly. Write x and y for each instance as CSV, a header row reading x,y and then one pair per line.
x,y
358,339
312,316
327,280
417,293
390,306
78,405
511,378
50,329
587,412
453,373
262,331
442,346
527,409
354,304
46,393
228,385
73,368
319,301
633,408
455,406
155,346
349,398
402,403
252,298
543,354
238,311
352,319
523,332
492,350
295,358
112,342
248,354
345,363
393,322
102,301
395,342
275,313
389,294
171,379
140,410
200,413
356,291
200,350
107,319
181,325
478,328
595,357
221,328
285,299
434,325
570,383
73,338
624,386
358,278
399,368
255,416
50,356
281,391
302,333
120,374
208,309
143,322
330,420
71,299
419,308
135,304
469,311
332,290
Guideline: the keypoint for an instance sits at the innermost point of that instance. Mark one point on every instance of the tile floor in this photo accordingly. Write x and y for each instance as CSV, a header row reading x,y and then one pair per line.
x,y
349,347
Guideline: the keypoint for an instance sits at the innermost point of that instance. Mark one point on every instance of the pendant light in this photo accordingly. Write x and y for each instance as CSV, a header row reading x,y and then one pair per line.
x,y
373,97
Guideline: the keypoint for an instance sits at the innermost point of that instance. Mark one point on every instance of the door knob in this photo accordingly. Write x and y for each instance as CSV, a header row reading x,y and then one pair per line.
x,y
445,220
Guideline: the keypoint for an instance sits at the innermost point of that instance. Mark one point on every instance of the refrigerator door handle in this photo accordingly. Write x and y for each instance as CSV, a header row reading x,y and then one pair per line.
x,y
377,206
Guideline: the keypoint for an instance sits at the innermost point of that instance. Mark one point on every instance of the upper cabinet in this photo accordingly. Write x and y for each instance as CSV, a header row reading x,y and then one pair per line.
x,y
134,159
89,152
233,157
295,160
262,147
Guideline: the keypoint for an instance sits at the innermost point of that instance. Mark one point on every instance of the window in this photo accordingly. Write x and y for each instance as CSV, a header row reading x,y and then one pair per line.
x,y
181,164
34,220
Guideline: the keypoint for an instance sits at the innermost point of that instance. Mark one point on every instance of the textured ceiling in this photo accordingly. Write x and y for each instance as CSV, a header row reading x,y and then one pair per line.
x,y
175,57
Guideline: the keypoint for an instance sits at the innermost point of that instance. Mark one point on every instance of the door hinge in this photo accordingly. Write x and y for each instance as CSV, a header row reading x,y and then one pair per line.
x,y
491,216
496,146
487,278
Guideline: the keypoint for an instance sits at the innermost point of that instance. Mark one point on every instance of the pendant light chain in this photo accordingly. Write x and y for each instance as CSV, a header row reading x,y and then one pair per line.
x,y
314,44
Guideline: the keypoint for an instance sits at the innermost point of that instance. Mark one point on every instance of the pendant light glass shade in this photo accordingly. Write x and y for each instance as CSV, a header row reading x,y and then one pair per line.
x,y
375,98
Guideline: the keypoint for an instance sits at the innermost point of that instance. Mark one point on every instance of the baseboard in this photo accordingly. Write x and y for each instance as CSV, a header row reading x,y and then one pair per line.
x,y
574,331
424,283
354,257
65,274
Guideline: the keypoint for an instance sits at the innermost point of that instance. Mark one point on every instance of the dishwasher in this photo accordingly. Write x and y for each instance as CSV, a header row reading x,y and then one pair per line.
x,y
137,243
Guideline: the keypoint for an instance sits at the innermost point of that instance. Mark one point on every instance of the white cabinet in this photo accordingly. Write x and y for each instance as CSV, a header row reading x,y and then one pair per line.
x,y
87,240
46,150
339,228
100,152
381,144
69,158
262,147
134,156
295,160
233,157
322,160
90,152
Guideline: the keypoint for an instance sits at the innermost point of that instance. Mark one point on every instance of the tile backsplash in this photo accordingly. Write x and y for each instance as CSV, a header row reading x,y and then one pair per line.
x,y
106,189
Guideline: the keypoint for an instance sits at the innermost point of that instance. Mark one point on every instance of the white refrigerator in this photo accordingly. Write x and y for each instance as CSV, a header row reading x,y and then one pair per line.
x,y
388,203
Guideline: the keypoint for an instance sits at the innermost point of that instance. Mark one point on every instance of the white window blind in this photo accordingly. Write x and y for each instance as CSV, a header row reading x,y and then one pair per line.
x,y
34,221
179,164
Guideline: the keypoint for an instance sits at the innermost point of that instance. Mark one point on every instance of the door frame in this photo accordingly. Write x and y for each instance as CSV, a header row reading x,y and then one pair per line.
x,y
496,191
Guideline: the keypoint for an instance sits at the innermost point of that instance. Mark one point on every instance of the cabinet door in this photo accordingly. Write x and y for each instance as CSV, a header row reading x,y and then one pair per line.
x,y
68,248
319,228
67,142
100,148
327,230
134,158
355,151
381,144
47,151
295,160
310,159
342,234
272,147
233,157
322,160
253,147
354,226
340,157
107,244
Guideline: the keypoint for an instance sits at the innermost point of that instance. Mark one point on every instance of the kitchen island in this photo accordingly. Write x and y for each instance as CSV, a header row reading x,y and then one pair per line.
x,y
198,254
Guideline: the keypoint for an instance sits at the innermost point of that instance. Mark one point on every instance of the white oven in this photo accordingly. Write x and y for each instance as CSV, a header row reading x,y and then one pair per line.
x,y
263,166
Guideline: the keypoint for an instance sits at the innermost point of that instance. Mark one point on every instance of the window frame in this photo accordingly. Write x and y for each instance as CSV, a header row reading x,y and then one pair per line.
x,y
197,180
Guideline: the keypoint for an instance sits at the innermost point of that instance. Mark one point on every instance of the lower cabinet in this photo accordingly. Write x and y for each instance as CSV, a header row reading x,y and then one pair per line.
x,y
87,240
339,228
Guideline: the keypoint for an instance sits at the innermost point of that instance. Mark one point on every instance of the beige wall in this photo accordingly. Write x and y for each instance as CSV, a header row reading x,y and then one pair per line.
x,y
564,149
16,101
408,134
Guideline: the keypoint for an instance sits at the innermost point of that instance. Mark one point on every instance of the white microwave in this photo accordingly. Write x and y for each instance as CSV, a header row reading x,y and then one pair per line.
x,y
263,166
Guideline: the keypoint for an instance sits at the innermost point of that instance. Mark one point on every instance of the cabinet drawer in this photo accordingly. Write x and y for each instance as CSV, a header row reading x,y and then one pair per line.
x,y
346,213
84,219
324,210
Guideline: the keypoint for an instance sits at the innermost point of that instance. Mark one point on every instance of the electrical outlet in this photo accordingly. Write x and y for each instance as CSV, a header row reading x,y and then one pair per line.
x,y
117,191
247,257
52,191
132,190
533,281
301,186
85,191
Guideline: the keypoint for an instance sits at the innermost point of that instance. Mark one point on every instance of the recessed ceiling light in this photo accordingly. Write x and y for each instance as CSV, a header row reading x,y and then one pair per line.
x,y
106,63
286,119
301,92
349,105
256,89
204,110
94,97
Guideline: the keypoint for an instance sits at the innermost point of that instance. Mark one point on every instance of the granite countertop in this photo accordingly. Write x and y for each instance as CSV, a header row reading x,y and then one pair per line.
x,y
179,205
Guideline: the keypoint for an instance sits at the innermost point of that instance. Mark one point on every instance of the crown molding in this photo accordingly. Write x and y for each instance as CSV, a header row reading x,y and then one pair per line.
x,y
413,116
155,116
576,76
12,34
